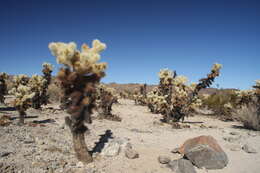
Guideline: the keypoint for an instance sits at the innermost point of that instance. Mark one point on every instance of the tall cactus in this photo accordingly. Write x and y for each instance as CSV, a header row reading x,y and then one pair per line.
x,y
79,77
47,70
3,86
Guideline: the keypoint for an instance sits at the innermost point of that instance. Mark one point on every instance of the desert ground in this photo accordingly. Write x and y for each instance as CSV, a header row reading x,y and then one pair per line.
x,y
44,143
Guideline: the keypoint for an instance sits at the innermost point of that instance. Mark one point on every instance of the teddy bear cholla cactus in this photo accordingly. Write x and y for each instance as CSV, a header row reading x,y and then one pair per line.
x,y
3,86
37,84
157,103
21,79
79,78
107,98
47,70
185,97
23,100
166,83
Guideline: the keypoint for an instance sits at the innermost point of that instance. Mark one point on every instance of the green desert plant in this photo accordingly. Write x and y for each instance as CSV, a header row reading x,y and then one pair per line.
x,y
249,111
3,86
78,79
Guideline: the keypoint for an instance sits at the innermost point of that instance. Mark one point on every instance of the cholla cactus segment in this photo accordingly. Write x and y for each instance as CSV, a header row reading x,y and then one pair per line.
x,y
21,79
166,76
37,83
23,95
3,76
257,83
216,67
82,62
180,80
47,67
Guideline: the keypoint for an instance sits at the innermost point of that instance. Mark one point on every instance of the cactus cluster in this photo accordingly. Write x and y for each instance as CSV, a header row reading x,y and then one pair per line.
x,y
3,86
106,98
37,84
141,96
23,95
174,98
79,78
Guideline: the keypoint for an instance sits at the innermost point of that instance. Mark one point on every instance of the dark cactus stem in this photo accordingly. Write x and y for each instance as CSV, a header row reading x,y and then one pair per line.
x,y
81,91
3,88
36,101
47,76
22,115
179,113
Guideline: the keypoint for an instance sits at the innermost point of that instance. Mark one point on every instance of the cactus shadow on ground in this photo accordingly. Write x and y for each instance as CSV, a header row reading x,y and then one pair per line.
x,y
102,141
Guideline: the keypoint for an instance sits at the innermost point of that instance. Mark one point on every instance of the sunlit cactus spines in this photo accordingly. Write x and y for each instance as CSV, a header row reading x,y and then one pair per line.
x,y
37,84
23,100
166,77
20,79
78,79
47,70
3,86
107,98
183,99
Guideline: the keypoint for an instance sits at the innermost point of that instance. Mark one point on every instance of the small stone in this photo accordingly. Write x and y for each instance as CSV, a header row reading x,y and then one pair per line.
x,y
111,149
4,153
164,159
131,153
249,149
234,133
80,165
252,134
231,139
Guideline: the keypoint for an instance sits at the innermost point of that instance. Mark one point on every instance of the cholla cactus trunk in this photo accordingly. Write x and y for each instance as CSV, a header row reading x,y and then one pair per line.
x,y
257,94
3,87
83,96
79,80
22,115
167,89
36,101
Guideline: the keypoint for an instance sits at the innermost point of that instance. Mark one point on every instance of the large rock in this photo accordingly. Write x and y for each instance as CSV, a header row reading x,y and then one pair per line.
x,y
204,151
181,166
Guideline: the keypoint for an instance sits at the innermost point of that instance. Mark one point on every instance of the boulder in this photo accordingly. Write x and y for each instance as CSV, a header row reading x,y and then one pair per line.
x,y
181,166
204,151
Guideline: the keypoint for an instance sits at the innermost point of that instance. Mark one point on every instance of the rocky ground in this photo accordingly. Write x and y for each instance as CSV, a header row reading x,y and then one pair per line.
x,y
44,143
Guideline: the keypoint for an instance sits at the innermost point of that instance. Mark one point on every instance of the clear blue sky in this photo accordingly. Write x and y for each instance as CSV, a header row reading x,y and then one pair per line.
x,y
142,36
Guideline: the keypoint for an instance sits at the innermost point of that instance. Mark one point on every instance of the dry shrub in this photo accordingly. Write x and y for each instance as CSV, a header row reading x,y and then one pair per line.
x,y
249,116
218,102
54,93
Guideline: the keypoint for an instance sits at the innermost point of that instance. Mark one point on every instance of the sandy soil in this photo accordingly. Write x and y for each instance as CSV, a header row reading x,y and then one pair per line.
x,y
46,146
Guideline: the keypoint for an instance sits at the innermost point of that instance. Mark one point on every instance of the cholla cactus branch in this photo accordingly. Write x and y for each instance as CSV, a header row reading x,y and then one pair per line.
x,y
78,79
